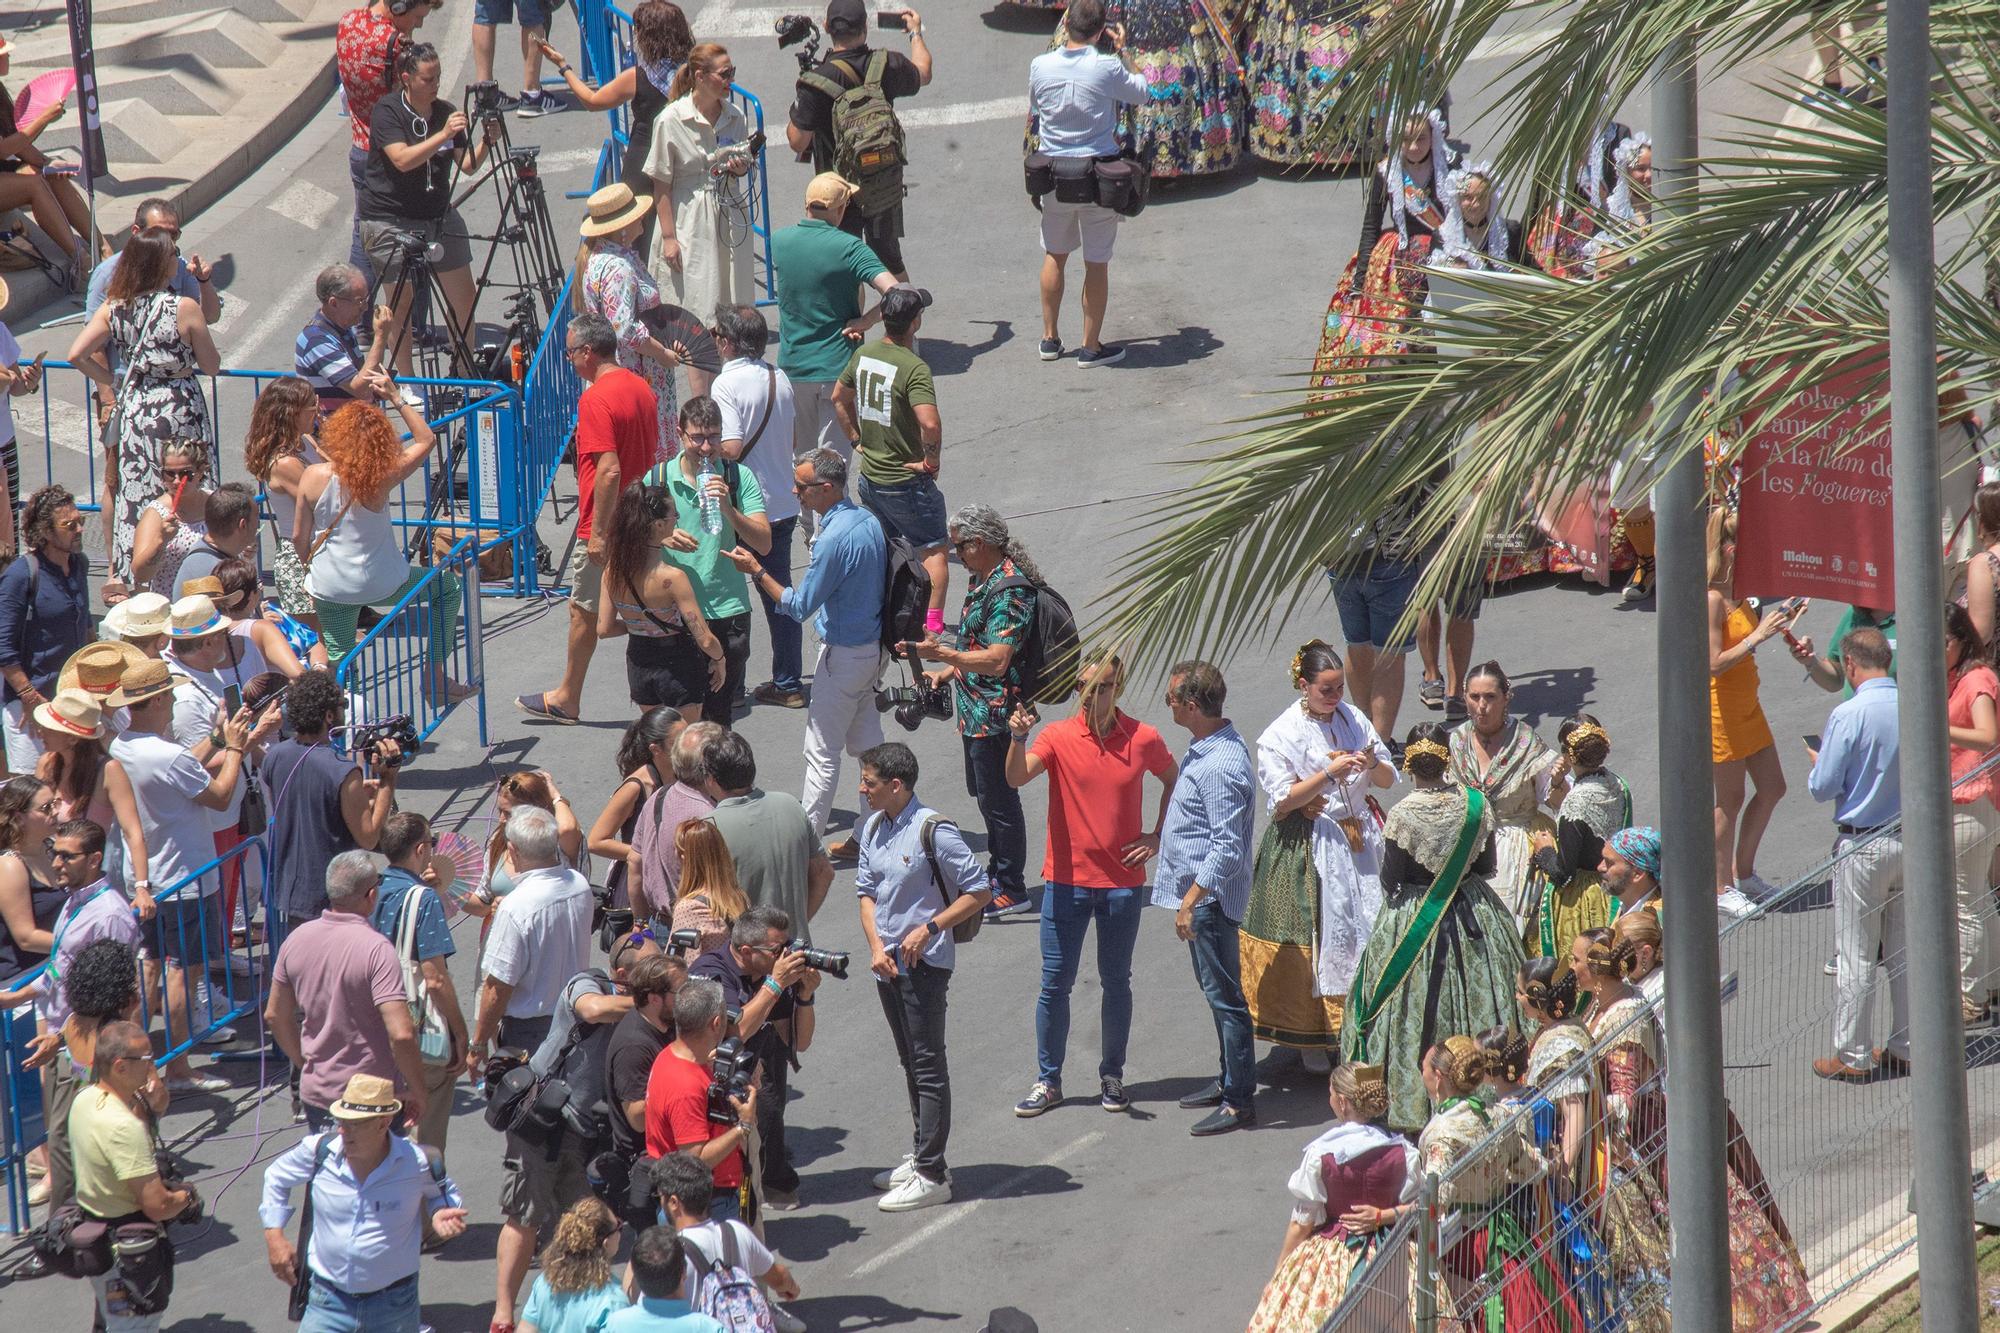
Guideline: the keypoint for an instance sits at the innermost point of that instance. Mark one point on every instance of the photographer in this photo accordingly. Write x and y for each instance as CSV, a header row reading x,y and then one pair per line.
x,y
415,139
678,1103
321,803
635,1047
1076,92
813,128
118,1177
769,986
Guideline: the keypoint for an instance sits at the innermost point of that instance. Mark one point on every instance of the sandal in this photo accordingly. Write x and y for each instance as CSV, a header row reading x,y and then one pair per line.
x,y
537,705
1431,692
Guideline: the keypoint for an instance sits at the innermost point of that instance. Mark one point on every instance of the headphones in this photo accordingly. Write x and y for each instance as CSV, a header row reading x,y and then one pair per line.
x,y
402,7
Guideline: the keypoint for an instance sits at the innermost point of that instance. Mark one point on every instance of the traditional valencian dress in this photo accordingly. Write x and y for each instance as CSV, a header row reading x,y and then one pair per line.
x,y
1350,1164
1444,954
1626,1120
1294,53
1516,785
1566,892
1315,888
1558,1070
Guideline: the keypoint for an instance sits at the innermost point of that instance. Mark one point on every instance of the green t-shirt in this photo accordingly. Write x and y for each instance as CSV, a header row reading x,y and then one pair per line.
x,y
820,271
1856,618
720,588
889,382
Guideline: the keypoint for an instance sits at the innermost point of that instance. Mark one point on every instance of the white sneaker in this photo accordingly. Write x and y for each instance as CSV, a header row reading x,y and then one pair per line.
x,y
1316,1061
410,396
916,1192
1733,905
785,1321
897,1174
1757,888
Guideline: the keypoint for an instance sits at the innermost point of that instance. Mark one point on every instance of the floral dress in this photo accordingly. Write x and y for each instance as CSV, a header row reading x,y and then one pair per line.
x,y
617,286
187,539
161,399
1518,783
1349,1164
1566,893
1293,57
1624,1163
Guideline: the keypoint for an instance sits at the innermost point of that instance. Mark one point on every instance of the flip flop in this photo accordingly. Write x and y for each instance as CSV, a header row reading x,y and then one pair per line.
x,y
535,705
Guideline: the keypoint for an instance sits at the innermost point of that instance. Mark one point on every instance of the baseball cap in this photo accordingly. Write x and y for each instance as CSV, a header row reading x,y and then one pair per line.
x,y
829,189
902,303
846,16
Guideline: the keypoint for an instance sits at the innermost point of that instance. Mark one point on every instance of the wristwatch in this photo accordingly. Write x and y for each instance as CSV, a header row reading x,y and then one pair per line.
x,y
932,927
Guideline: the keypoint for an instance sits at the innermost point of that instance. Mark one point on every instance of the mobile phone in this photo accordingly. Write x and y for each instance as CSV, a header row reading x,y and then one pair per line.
x,y
39,358
1812,742
232,700
889,20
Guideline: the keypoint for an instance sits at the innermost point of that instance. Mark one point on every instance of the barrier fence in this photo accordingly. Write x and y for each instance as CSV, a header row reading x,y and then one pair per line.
x,y
1819,1168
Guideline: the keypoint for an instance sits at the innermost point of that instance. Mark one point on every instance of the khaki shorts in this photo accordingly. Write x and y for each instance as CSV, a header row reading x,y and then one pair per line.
x,y
586,580
534,1191
1065,227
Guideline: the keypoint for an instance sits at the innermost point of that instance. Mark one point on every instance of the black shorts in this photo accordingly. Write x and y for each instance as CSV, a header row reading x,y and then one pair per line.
x,y
883,232
667,671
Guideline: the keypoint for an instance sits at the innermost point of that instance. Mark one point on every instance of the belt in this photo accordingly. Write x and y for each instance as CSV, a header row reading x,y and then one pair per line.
x,y
1858,830
397,1285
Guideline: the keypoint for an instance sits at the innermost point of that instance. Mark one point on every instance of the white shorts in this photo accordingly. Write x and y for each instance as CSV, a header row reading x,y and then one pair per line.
x,y
1066,226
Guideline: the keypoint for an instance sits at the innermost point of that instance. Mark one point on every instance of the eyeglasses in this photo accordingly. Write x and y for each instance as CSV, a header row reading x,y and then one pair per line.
x,y
773,949
963,542
576,351
801,487
698,437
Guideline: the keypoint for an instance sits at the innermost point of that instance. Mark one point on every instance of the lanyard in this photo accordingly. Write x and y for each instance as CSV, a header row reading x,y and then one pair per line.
x,y
62,927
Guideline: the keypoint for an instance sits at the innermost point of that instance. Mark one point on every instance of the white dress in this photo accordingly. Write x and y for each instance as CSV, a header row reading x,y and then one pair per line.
x,y
713,231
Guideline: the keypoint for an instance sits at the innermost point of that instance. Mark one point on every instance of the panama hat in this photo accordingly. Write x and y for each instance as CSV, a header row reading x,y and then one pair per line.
x,y
365,1097
146,680
613,209
72,713
139,616
196,616
207,586
96,668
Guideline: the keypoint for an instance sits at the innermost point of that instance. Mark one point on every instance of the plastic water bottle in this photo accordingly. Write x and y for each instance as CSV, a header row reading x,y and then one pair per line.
x,y
711,507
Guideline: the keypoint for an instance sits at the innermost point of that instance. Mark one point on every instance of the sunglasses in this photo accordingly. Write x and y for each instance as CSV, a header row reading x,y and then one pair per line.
x,y
176,473
71,525
54,854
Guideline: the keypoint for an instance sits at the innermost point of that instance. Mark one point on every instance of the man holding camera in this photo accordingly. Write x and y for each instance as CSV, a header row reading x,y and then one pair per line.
x,y
321,804
811,127
1075,93
681,1113
908,918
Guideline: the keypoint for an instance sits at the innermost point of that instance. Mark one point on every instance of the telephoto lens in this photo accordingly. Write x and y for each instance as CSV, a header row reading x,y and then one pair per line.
x,y
829,961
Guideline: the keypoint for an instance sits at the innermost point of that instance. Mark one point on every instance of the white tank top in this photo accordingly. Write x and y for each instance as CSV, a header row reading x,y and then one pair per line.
x,y
360,562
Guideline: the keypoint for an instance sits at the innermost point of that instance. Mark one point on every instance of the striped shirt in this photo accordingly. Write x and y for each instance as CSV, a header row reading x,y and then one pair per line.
x,y
327,357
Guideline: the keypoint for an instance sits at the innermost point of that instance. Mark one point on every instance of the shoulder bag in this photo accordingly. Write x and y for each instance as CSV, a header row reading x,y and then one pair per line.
x,y
295,1304
433,1034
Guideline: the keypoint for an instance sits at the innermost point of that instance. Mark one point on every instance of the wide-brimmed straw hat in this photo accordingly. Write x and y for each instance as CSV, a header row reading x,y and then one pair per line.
x,y
613,209
140,616
196,616
96,668
148,680
365,1097
73,713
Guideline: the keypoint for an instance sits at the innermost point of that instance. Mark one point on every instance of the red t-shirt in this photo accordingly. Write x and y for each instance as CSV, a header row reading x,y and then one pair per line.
x,y
1095,797
364,46
618,414
677,1114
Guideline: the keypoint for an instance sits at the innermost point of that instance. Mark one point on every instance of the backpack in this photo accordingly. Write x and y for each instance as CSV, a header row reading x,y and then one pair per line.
x,y
867,137
723,1291
906,596
1048,657
965,931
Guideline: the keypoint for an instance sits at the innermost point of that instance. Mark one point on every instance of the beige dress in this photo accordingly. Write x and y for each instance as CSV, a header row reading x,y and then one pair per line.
x,y
711,215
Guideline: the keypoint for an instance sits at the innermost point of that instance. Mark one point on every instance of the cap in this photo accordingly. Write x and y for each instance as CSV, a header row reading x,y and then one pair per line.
x,y
903,303
829,189
846,16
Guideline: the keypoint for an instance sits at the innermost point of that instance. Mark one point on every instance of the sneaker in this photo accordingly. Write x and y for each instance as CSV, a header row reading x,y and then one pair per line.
x,y
222,1036
1454,709
1007,904
1833,966
916,1192
540,103
1051,349
897,1174
1732,905
785,1321
781,1201
1757,888
1221,1120
410,397
1110,354
505,100
770,693
1040,1098
1113,1097
1431,692
844,851
198,1083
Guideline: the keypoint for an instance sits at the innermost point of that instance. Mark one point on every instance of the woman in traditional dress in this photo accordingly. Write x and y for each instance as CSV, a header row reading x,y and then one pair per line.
x,y
1740,740
1350,1188
1517,773
612,280
1568,890
1628,210
1293,55
1314,890
1444,952
1559,240
1474,234
1385,281
1495,1274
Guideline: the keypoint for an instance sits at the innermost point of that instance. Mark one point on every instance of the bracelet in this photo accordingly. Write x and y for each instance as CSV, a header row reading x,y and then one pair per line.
x,y
804,1003
771,984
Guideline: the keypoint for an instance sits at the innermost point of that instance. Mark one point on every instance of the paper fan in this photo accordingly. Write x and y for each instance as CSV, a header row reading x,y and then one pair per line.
x,y
43,90
671,324
468,862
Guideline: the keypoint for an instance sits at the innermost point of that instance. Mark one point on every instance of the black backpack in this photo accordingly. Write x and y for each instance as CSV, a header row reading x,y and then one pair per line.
x,y
1048,658
906,596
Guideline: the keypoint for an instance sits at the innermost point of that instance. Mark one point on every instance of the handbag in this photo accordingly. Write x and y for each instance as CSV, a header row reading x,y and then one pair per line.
x,y
433,1035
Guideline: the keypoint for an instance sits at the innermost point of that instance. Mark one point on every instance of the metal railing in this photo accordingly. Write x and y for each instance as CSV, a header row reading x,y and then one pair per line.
x,y
429,641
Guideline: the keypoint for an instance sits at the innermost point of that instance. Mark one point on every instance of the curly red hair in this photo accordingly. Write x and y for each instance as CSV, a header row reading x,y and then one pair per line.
x,y
364,450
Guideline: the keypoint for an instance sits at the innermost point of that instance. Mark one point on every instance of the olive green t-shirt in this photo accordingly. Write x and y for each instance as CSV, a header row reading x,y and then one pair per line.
x,y
889,382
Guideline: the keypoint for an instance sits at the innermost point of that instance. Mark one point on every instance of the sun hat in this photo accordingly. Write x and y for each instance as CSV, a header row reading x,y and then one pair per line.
x,y
96,668
73,713
365,1097
207,586
147,680
613,209
196,616
140,616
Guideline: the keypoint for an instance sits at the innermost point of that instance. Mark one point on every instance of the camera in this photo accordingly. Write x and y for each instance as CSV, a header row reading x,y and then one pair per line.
x,y
684,942
795,28
482,100
170,1176
916,701
830,961
364,740
732,1071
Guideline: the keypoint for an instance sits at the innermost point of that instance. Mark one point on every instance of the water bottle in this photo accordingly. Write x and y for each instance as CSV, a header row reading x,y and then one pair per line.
x,y
711,507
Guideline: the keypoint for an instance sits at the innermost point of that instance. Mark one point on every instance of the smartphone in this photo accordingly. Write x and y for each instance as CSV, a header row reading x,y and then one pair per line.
x,y
39,358
1812,743
889,20
232,700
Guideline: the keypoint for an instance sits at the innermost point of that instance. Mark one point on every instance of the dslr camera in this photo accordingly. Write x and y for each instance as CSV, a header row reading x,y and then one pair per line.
x,y
364,740
916,701
732,1070
171,1177
830,961
795,28
482,100
684,942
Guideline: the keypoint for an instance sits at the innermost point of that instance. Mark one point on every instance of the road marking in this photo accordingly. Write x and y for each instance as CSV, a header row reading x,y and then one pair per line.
x,y
304,203
963,113
570,157
1514,44
970,1206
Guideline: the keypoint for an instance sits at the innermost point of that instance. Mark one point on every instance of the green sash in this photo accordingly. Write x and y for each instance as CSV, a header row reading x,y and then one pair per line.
x,y
1418,937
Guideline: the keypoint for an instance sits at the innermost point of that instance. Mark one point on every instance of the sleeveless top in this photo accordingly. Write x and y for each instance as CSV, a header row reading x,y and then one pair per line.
x,y
640,626
283,507
44,902
1374,1178
361,562
187,539
148,338
649,98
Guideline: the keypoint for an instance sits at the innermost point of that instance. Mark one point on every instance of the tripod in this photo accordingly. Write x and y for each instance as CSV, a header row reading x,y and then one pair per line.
x,y
523,227
415,278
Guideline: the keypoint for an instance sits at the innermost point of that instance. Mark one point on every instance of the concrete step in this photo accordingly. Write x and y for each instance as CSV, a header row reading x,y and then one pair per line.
x,y
133,132
218,38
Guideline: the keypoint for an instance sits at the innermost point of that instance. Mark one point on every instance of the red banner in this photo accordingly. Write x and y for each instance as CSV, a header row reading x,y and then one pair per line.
x,y
1814,515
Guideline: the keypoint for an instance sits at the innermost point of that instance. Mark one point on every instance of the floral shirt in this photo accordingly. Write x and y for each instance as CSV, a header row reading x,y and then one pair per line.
x,y
364,47
992,615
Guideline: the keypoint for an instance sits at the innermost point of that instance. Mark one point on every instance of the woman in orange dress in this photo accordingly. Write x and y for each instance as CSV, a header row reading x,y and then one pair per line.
x,y
1739,737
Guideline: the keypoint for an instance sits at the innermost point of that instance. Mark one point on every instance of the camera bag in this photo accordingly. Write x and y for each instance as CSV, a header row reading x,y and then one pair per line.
x,y
1122,185
1075,181
75,1244
145,1259
1040,170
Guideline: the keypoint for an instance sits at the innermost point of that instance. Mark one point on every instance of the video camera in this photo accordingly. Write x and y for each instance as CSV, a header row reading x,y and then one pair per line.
x,y
917,700
732,1072
482,101
364,740
795,28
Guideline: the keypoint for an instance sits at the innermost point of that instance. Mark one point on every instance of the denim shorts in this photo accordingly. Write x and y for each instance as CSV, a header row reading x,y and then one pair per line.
x,y
189,928
913,510
492,13
1371,600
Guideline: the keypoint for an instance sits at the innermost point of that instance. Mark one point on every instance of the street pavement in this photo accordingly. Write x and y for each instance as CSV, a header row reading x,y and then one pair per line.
x,y
1087,1220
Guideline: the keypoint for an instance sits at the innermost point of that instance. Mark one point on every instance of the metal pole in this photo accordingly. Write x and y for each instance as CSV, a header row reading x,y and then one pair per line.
x,y
1427,1253
1946,1275
1697,1146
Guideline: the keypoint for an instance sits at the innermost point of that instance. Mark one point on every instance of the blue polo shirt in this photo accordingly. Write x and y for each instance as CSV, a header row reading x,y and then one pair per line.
x,y
845,581
433,935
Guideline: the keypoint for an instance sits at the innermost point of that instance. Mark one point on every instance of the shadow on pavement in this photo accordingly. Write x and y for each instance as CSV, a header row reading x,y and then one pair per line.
x,y
945,357
476,1246
1547,696
809,1237
848,1313
1191,343
1021,18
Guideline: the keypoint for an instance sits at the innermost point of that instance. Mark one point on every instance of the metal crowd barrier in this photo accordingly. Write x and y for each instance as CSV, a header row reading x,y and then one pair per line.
x,y
394,667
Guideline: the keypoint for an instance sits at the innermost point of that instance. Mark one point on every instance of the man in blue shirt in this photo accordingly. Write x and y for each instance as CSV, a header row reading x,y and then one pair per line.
x,y
842,590
1074,93
1855,768
908,919
1204,875
44,616
406,885
327,353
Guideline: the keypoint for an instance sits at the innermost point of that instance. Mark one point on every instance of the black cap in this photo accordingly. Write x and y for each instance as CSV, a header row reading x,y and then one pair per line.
x,y
846,16
903,303
1007,1319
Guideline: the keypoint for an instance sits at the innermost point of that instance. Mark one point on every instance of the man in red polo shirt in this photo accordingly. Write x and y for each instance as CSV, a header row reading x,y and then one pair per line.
x,y
616,430
677,1096
365,43
1095,867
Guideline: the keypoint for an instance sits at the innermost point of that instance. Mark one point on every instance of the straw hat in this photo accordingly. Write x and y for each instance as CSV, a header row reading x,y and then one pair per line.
x,y
365,1097
195,617
147,680
207,586
139,616
73,713
96,668
613,209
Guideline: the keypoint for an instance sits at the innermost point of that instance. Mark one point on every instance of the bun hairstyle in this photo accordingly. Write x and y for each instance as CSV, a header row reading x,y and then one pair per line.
x,y
1364,1088
1507,1053
1609,956
1584,740
1639,929
1550,987
1462,1062
1427,752
1313,658
1490,670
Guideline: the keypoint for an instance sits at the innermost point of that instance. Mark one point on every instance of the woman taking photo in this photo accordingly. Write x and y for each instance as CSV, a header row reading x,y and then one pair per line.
x,y
173,525
710,898
1739,737
357,560
611,281
277,453
1315,888
163,342
1517,773
1346,1195
526,787
1567,892
1970,712
672,658
645,759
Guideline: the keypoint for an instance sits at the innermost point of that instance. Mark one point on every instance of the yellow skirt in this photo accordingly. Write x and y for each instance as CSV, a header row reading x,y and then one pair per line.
x,y
1562,913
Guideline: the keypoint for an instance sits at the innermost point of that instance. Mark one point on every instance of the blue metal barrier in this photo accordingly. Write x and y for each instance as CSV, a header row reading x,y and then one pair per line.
x,y
395,669
24,1129
550,393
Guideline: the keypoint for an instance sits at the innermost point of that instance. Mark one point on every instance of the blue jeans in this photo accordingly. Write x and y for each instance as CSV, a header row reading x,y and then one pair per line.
x,y
1218,967
1067,912
787,634
357,253
394,1309
1372,599
1000,806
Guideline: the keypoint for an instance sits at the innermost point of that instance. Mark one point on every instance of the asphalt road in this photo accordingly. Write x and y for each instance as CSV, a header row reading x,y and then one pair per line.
x,y
1086,1220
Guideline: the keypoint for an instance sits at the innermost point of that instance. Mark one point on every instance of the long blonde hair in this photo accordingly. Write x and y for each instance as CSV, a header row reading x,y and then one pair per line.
x,y
1721,563
708,869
